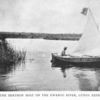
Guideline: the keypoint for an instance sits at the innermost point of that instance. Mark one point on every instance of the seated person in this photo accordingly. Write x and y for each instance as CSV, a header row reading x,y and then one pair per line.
x,y
63,53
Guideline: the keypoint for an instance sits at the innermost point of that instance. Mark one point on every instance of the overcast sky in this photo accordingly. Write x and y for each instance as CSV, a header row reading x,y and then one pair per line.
x,y
52,16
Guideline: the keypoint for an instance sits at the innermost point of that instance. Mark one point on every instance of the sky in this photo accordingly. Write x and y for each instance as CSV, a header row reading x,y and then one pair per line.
x,y
46,16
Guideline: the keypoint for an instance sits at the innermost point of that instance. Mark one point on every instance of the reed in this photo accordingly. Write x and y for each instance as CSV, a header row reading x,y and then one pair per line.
x,y
10,56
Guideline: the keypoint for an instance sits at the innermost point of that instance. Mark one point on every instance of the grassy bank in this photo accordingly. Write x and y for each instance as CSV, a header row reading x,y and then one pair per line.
x,y
8,55
49,36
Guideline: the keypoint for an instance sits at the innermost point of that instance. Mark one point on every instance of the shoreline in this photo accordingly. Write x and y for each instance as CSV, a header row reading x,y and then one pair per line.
x,y
49,36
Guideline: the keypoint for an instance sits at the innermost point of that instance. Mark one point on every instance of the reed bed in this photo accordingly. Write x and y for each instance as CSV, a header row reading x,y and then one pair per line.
x,y
10,56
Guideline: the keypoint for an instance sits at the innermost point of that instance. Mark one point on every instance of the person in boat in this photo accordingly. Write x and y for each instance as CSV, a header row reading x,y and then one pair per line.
x,y
63,53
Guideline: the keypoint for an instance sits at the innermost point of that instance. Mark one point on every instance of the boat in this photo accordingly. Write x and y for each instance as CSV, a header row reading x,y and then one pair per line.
x,y
87,51
81,61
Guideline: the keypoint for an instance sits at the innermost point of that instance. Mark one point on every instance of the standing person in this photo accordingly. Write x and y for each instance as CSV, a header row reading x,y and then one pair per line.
x,y
64,51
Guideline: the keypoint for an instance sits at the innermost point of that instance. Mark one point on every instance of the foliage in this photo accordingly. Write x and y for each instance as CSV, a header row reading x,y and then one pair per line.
x,y
9,55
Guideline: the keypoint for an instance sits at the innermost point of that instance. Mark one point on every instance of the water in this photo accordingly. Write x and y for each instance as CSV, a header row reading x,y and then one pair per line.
x,y
37,73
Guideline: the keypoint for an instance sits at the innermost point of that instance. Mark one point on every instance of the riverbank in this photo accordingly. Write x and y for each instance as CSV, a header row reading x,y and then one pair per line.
x,y
8,55
60,36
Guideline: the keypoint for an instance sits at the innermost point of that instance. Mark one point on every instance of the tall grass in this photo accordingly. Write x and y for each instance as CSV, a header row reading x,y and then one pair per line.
x,y
8,55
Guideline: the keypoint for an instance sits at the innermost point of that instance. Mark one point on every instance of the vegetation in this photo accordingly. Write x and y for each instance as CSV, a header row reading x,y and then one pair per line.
x,y
8,55
62,36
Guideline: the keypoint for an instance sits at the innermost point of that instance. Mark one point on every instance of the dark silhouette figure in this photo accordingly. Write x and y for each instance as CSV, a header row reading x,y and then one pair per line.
x,y
63,53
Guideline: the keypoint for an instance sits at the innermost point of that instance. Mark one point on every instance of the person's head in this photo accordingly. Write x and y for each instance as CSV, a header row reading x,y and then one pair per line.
x,y
65,48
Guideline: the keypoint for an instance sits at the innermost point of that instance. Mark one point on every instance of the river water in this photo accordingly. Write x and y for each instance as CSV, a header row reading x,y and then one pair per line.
x,y
37,73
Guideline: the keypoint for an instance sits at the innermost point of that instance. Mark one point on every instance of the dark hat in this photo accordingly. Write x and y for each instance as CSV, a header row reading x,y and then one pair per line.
x,y
65,48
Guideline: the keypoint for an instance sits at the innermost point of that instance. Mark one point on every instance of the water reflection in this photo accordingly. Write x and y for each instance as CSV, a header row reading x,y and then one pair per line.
x,y
9,59
88,77
5,69
64,72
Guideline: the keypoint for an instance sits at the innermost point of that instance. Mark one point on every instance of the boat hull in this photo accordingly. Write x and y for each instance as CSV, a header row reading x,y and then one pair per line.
x,y
80,61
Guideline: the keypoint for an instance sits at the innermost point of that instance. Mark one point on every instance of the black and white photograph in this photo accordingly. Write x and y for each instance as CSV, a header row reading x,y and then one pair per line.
x,y
49,45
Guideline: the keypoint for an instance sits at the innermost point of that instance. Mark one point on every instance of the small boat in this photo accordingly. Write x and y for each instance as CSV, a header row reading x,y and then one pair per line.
x,y
88,45
81,61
